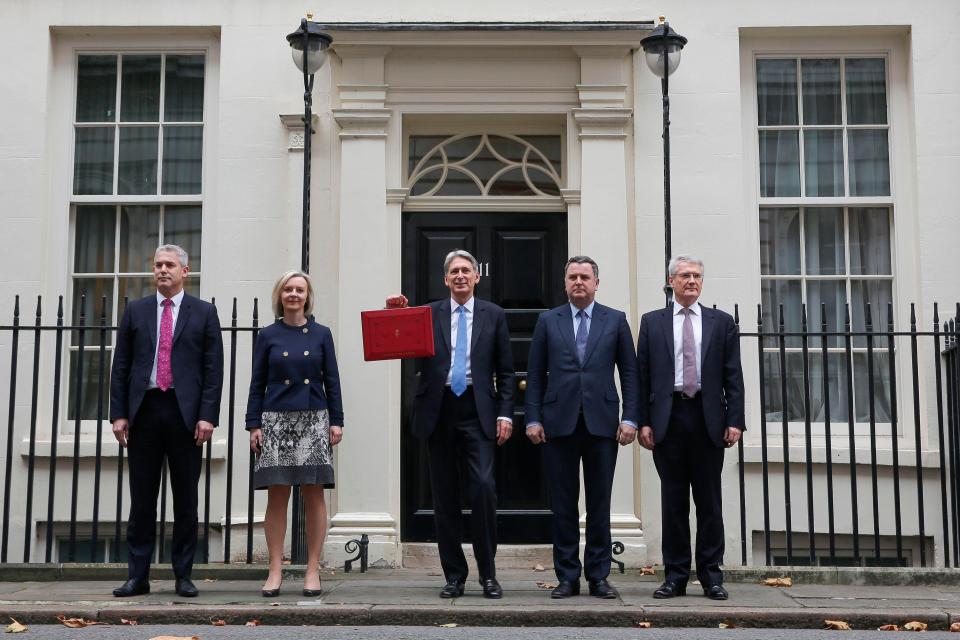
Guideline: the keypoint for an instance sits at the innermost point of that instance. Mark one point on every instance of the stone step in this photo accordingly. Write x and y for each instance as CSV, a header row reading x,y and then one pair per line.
x,y
424,555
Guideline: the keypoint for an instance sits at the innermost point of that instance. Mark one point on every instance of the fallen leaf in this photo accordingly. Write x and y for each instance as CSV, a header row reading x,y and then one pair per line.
x,y
218,623
209,579
546,585
778,582
915,625
955,627
252,623
15,627
726,624
644,624
175,638
647,571
129,622
274,604
837,625
888,627
723,625
76,623
449,625
538,567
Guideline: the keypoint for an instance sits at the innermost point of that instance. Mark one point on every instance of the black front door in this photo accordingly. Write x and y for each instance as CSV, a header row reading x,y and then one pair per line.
x,y
521,258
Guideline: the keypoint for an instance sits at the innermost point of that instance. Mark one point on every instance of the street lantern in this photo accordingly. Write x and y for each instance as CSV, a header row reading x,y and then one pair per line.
x,y
662,49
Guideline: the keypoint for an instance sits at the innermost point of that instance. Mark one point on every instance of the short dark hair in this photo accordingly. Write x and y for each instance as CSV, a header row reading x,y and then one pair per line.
x,y
582,260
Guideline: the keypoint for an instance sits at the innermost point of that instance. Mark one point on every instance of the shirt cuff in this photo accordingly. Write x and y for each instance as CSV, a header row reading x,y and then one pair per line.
x,y
531,425
629,423
510,420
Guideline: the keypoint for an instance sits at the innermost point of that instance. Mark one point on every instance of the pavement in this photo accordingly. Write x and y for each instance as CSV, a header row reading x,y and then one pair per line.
x,y
864,598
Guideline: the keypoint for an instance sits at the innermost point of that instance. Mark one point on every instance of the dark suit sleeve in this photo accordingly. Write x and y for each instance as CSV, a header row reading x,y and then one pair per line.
x,y
733,377
120,371
212,383
504,367
627,366
643,374
537,372
331,381
258,383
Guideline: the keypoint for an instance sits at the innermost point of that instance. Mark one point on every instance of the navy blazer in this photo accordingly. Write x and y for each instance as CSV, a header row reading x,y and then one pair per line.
x,y
196,360
294,369
490,360
558,385
721,376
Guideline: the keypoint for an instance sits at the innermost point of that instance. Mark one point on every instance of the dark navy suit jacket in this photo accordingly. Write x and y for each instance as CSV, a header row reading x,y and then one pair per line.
x,y
490,358
721,376
555,400
196,360
294,370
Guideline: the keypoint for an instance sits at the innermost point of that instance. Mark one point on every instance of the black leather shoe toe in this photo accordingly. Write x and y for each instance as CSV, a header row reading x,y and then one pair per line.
x,y
670,589
185,588
491,589
603,589
453,589
132,588
716,592
565,590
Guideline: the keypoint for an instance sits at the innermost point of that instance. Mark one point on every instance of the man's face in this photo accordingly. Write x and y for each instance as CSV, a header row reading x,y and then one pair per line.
x,y
461,278
168,273
581,285
687,283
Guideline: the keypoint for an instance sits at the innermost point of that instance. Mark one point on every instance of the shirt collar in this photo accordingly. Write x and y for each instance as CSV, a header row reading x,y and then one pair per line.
x,y
588,309
177,299
677,308
468,304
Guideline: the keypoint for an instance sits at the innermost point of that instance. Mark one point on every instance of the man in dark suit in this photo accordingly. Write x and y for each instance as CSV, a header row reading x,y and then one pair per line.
x,y
164,403
691,408
462,414
572,409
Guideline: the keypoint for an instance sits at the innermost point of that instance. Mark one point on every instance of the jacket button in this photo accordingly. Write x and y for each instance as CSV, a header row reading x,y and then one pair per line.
x,y
306,381
286,382
306,353
285,354
305,330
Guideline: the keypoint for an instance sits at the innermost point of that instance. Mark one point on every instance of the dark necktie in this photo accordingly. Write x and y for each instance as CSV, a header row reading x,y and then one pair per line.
x,y
582,333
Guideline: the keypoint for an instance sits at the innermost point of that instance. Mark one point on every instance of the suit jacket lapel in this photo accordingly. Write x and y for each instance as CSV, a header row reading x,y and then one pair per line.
x,y
565,325
596,328
666,326
182,317
442,321
478,320
706,330
152,320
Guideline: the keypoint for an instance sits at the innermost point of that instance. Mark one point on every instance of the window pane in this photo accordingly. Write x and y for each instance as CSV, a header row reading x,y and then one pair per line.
x,y
881,386
821,91
140,89
823,241
869,162
779,164
779,242
511,183
829,296
420,146
775,293
777,92
823,162
866,91
139,238
93,161
138,160
774,401
836,388
182,164
181,226
879,294
95,235
183,95
132,288
91,381
426,182
459,183
870,241
88,296
550,146
96,88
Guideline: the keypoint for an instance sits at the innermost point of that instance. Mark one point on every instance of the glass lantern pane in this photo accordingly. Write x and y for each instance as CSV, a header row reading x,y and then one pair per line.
x,y
93,161
183,94
823,162
181,226
140,88
182,160
779,164
777,92
869,153
96,88
138,160
779,242
139,237
821,91
823,241
95,236
866,90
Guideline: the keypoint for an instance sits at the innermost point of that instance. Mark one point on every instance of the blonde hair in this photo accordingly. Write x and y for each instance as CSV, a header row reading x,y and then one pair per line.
x,y
281,283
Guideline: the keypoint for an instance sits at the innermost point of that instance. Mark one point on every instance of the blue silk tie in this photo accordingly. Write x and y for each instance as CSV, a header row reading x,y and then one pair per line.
x,y
582,334
458,378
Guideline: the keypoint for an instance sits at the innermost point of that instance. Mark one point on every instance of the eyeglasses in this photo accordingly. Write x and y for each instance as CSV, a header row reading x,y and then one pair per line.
x,y
689,276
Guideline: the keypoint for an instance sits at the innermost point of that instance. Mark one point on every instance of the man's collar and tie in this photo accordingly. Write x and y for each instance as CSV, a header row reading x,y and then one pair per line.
x,y
581,328
687,338
461,327
168,310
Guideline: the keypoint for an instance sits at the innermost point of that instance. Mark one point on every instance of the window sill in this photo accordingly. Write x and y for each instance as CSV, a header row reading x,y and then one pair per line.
x,y
752,454
88,448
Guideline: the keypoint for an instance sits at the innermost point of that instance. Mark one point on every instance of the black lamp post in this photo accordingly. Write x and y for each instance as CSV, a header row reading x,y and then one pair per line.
x,y
308,46
662,49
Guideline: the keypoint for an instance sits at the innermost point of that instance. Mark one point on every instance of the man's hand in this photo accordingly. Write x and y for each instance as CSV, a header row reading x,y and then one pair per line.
x,y
732,436
256,440
121,430
504,431
626,434
203,432
398,301
646,437
336,435
536,434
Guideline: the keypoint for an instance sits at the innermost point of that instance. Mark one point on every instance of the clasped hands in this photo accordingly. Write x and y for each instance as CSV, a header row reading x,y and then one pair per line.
x,y
202,432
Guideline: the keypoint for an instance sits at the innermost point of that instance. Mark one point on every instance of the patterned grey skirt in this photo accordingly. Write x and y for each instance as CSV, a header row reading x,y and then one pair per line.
x,y
296,449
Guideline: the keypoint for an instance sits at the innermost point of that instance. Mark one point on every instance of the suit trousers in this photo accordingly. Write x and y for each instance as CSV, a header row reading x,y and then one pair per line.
x,y
562,458
158,433
458,439
687,459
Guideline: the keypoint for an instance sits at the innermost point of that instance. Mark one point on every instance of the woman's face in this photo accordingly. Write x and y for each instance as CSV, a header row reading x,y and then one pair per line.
x,y
294,294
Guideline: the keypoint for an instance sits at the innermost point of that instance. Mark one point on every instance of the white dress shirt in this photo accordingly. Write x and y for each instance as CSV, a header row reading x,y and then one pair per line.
x,y
177,299
697,319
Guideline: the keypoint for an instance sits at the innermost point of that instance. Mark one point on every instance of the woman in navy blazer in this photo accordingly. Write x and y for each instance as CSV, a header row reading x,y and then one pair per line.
x,y
295,417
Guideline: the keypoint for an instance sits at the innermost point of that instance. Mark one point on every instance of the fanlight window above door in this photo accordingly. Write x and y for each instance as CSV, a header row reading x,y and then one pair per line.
x,y
485,165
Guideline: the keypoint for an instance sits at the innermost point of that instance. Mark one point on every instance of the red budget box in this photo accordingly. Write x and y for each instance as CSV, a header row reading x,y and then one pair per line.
x,y
390,334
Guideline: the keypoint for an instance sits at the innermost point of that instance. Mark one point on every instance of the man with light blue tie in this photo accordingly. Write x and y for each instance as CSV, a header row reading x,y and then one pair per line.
x,y
464,409
572,408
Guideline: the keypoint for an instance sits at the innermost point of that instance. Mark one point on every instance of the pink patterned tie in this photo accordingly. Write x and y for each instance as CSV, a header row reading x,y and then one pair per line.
x,y
165,346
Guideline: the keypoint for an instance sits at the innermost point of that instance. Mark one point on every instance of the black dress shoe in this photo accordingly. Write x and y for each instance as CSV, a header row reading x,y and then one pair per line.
x,y
132,587
716,592
603,589
453,589
491,589
670,589
565,589
185,588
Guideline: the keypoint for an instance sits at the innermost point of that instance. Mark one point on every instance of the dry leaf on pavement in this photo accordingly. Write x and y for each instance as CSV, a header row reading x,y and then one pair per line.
x,y
175,638
538,567
837,625
449,625
252,623
546,585
15,627
647,571
209,579
726,624
129,622
218,623
915,625
778,582
644,624
955,627
888,627
76,623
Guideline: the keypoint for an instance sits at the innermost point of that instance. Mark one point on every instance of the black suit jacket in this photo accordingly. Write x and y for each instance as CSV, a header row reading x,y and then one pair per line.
x,y
721,377
554,400
196,360
490,359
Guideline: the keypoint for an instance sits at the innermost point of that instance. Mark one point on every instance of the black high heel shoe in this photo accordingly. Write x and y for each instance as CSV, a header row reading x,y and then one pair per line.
x,y
271,593
312,593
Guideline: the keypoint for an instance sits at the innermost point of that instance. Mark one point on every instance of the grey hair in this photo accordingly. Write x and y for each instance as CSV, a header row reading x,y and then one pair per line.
x,y
459,253
582,260
173,248
676,260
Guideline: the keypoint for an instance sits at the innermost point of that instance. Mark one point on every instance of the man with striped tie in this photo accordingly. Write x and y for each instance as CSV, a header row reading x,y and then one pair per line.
x,y
464,409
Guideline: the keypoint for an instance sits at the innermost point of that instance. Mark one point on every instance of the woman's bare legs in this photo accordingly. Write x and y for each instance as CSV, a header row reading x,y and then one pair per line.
x,y
316,521
275,529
